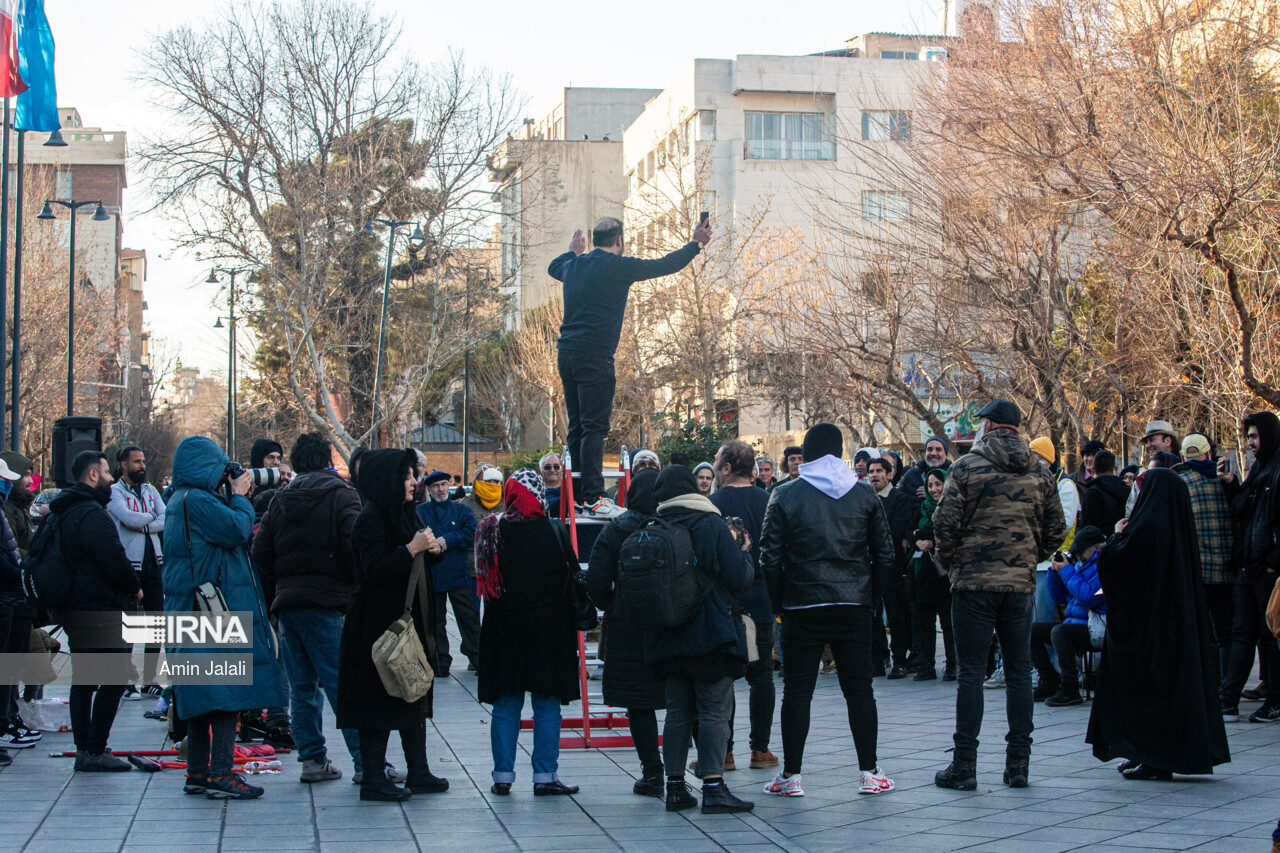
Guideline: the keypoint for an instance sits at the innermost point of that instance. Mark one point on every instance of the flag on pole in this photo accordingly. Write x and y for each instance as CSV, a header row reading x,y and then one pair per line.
x,y
10,79
38,105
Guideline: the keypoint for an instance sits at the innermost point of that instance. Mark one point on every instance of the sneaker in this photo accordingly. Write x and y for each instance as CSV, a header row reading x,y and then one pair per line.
x,y
718,799
196,783
651,787
949,672
103,763
394,774
1068,694
1265,714
1231,714
875,782
131,694
5,758
232,787
603,508
1256,693
319,771
153,690
828,667
996,681
15,739
761,760
958,776
680,796
279,737
27,730
896,673
785,786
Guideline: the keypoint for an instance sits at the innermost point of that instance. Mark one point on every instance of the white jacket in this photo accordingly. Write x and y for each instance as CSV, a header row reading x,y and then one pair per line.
x,y
147,514
1069,496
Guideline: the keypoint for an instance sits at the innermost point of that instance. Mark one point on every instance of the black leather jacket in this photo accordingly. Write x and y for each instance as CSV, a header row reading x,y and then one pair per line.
x,y
817,550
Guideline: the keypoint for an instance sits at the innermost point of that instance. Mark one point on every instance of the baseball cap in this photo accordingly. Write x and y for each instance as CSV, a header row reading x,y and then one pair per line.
x,y
1195,445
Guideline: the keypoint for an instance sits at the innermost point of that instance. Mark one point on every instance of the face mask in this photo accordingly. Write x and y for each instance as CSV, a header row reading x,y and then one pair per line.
x,y
5,487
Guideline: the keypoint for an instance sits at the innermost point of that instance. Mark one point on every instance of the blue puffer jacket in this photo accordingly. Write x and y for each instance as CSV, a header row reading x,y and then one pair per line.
x,y
220,532
1077,586
456,525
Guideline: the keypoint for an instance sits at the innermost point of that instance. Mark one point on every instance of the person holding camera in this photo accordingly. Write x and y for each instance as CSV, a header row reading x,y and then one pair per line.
x,y
1073,583
385,540
208,524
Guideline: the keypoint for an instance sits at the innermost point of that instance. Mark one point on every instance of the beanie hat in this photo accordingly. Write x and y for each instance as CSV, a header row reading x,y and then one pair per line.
x,y
1043,447
823,440
946,445
1001,412
1093,447
790,451
1087,537
674,481
645,456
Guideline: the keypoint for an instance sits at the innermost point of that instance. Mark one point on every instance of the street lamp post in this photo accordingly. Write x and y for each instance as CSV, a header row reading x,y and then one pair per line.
x,y
415,239
231,348
99,215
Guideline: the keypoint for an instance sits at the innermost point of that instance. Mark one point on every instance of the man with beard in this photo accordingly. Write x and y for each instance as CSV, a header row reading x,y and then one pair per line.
x,y
17,505
912,482
138,513
105,584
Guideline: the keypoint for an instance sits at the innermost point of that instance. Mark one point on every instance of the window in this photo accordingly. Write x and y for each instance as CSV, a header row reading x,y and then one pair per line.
x,y
899,54
706,125
786,136
886,125
885,206
62,184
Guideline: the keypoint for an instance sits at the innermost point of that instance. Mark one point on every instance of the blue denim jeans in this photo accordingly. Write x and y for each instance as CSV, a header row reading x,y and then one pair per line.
x,y
504,733
1044,609
310,650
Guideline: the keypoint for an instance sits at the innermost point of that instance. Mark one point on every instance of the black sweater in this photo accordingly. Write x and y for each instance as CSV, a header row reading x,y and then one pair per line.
x,y
595,293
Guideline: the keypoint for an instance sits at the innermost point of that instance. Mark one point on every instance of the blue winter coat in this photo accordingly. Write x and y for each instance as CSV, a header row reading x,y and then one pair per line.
x,y
220,533
456,524
1077,586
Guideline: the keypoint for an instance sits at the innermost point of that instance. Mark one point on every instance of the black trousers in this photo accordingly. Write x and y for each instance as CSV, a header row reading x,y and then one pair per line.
x,y
211,743
588,399
1067,641
763,693
151,580
974,616
927,615
1220,597
644,733
847,628
897,606
93,706
468,619
373,754
1250,623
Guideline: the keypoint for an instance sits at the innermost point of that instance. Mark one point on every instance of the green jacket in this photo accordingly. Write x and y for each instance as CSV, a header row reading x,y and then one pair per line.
x,y
998,517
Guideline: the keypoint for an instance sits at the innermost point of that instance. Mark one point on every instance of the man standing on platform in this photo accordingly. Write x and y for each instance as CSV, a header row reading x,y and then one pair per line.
x,y
596,284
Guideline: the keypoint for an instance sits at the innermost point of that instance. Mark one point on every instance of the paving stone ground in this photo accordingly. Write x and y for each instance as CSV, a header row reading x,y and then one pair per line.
x,y
1074,802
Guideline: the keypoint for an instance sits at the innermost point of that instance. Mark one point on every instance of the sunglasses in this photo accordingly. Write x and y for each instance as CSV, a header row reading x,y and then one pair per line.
x,y
550,467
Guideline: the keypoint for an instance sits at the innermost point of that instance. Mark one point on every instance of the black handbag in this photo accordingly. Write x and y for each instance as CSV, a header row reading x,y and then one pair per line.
x,y
582,613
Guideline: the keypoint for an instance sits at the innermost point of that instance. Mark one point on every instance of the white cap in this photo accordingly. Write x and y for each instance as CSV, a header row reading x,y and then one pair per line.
x,y
7,473
492,475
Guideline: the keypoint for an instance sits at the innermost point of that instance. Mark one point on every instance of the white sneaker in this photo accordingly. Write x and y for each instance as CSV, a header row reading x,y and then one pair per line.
x,y
875,782
393,773
603,508
786,787
996,681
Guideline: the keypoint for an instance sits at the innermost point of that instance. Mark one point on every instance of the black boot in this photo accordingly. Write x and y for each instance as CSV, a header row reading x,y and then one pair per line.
x,y
650,786
1015,770
960,775
1068,694
378,788
925,674
679,797
423,782
718,799
1048,687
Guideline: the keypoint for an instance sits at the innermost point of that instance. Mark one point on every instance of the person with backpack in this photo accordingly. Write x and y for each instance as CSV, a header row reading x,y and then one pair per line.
x,y
79,540
684,569
823,535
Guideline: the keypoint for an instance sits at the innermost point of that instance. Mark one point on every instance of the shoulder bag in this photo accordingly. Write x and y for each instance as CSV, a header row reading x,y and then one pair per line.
x,y
582,613
398,654
208,595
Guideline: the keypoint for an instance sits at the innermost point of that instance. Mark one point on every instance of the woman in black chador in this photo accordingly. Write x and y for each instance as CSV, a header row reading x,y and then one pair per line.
x,y
1157,699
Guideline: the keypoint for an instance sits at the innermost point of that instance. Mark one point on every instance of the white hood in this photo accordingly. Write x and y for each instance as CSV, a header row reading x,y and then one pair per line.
x,y
829,475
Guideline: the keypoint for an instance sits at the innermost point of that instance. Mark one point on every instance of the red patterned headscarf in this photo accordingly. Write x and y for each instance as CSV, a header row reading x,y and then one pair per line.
x,y
525,499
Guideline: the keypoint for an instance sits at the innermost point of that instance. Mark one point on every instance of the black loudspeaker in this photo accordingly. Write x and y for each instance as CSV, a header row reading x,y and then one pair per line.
x,y
70,437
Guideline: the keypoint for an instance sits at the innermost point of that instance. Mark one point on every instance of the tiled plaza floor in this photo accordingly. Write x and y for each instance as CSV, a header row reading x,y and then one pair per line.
x,y
1074,803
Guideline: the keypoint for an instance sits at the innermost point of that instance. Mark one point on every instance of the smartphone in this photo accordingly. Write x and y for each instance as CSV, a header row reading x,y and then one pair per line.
x,y
705,216
1233,462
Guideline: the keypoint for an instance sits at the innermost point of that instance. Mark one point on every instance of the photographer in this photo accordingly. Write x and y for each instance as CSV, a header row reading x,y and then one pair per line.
x,y
1074,584
208,523
303,548
267,453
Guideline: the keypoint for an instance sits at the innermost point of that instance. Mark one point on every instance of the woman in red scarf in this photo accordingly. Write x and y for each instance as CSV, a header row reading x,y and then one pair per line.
x,y
528,643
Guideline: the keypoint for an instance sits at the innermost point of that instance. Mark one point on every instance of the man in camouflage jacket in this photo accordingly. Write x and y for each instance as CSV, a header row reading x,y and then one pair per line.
x,y
999,516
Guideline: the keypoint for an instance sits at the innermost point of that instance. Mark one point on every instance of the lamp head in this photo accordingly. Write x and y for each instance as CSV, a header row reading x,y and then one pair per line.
x,y
254,278
416,237
47,212
213,277
55,140
100,215
218,324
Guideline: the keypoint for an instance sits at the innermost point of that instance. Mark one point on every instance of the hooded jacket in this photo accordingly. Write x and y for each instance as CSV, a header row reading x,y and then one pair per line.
x,y
104,579
823,534
1256,503
206,539
998,517
257,456
1103,503
303,546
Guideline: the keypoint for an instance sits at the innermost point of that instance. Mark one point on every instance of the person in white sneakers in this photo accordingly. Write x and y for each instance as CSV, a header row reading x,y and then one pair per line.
x,y
822,535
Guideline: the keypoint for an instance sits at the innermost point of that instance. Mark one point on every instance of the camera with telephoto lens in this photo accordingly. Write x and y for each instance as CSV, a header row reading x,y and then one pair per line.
x,y
263,478
738,528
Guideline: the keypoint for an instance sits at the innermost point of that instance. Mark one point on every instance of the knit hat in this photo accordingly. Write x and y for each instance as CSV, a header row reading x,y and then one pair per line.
x,y
823,440
1086,538
1043,447
1001,412
435,477
674,481
645,456
261,447
946,445
1193,445
17,463
1092,448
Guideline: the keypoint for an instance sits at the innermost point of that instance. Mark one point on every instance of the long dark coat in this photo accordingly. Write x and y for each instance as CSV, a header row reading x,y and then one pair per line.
x,y
1157,697
527,641
628,681
382,566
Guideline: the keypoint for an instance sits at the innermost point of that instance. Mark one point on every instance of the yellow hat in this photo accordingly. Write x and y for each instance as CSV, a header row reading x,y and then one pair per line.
x,y
1043,447
1195,445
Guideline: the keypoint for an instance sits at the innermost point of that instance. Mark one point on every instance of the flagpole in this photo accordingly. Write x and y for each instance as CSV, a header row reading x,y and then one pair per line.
x,y
4,258
16,356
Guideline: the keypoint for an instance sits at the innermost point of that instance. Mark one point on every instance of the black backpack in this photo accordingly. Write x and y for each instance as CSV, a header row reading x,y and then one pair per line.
x,y
46,575
661,586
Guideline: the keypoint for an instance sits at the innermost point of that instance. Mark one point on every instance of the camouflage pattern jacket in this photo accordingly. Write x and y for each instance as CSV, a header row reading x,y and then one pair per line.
x,y
999,515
